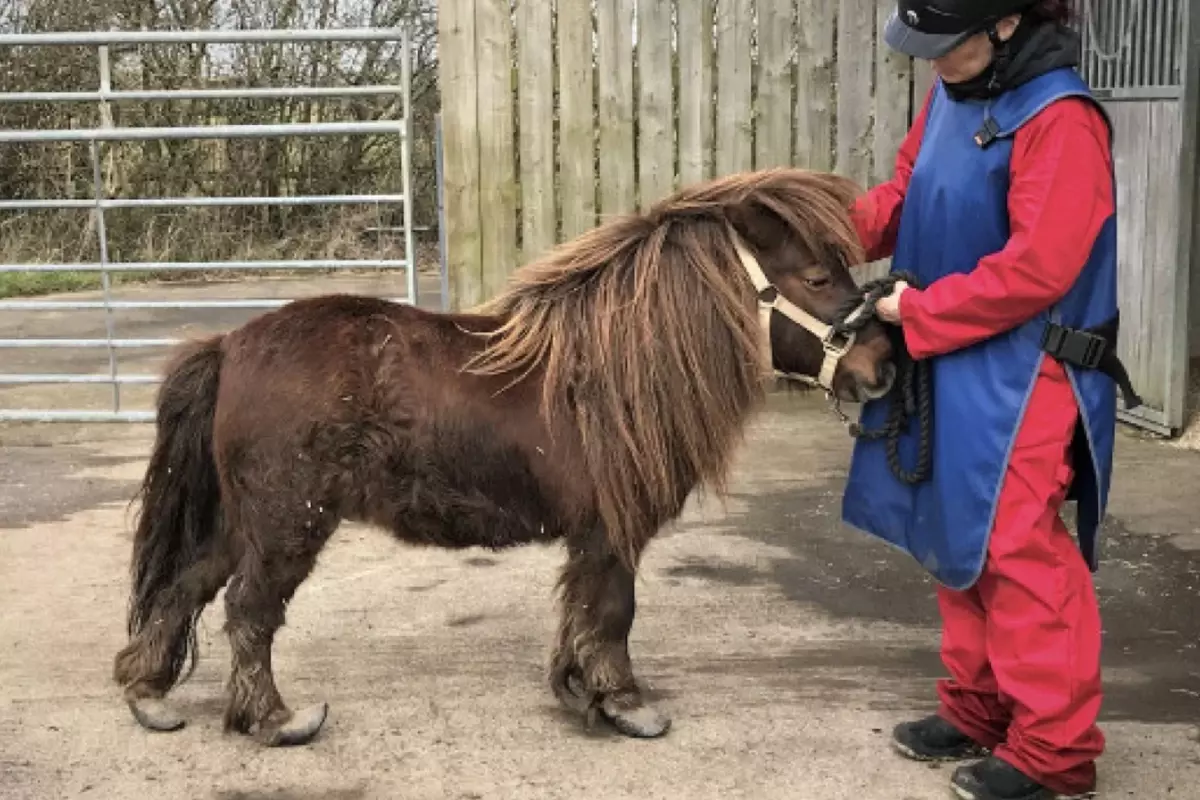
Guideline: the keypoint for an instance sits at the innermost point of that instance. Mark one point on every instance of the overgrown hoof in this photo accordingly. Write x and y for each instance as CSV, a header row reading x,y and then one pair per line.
x,y
639,721
299,728
154,714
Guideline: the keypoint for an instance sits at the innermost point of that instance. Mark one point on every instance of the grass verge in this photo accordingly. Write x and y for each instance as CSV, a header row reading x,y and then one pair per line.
x,y
27,284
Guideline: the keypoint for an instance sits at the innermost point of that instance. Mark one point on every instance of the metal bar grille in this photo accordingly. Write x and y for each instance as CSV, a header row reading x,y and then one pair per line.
x,y
110,343
1132,49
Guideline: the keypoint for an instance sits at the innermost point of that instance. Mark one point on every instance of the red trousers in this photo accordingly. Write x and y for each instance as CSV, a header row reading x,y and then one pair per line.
x,y
1022,645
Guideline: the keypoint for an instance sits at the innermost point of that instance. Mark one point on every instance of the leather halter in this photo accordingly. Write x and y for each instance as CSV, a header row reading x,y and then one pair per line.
x,y
835,344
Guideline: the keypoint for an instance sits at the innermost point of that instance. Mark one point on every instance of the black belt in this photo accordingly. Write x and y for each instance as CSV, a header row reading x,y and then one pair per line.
x,y
1091,348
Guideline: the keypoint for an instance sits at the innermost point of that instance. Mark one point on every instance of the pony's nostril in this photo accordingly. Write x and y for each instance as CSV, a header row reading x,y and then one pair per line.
x,y
885,376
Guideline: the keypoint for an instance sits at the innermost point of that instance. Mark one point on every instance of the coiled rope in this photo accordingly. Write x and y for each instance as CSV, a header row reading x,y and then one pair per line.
x,y
911,394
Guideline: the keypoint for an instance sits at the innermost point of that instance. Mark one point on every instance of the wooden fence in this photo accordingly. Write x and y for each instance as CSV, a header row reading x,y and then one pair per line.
x,y
557,113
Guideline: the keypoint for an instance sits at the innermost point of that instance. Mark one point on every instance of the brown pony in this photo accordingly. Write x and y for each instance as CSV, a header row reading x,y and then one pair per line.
x,y
613,377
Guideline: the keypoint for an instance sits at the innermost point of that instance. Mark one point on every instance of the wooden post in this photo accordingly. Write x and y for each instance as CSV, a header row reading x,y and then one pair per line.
x,y
497,214
535,89
773,136
460,142
735,112
814,84
656,103
893,91
695,90
923,79
614,26
576,118
856,43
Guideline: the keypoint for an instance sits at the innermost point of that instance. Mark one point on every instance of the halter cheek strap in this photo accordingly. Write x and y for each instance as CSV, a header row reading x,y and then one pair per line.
x,y
770,299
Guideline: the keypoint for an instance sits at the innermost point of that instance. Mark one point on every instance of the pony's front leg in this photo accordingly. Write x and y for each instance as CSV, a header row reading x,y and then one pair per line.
x,y
591,669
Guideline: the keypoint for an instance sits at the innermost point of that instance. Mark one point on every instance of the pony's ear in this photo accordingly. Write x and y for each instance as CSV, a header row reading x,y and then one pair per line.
x,y
758,225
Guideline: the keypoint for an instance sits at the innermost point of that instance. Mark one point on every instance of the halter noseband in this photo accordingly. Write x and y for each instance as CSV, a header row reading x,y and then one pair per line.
x,y
834,343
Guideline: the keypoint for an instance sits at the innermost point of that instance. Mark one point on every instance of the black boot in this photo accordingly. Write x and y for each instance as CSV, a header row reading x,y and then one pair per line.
x,y
934,739
993,779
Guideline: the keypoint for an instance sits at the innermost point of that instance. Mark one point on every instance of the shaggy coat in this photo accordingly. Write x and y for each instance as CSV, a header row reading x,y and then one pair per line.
x,y
612,378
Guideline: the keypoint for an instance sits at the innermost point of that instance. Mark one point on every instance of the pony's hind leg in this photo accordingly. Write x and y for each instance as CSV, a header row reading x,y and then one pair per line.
x,y
255,603
151,663
591,668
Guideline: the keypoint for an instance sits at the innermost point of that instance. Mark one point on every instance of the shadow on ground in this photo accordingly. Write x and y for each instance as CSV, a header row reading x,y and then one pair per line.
x,y
1149,590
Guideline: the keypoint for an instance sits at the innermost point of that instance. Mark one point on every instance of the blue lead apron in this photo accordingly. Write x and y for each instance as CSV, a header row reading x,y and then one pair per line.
x,y
954,214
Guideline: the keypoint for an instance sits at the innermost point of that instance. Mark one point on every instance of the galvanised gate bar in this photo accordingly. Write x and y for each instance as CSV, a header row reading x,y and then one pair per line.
x,y
111,341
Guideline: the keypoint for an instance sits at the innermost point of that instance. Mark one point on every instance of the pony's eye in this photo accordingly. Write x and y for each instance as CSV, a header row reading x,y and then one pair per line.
x,y
817,283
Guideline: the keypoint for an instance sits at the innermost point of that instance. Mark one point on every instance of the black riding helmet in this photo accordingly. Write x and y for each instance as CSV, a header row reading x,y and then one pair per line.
x,y
929,29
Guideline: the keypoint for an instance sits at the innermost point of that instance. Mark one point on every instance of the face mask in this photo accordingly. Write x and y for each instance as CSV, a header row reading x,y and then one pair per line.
x,y
1034,49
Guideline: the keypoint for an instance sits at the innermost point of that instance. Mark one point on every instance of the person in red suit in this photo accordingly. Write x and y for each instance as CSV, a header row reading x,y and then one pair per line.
x,y
1002,208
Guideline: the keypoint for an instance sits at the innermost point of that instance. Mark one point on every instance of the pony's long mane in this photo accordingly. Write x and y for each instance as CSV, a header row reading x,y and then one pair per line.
x,y
646,334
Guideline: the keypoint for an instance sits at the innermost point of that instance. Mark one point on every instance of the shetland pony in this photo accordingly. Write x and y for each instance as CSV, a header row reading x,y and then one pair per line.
x,y
611,378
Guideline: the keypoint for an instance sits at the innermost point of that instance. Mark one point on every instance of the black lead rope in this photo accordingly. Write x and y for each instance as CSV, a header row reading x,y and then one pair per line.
x,y
912,393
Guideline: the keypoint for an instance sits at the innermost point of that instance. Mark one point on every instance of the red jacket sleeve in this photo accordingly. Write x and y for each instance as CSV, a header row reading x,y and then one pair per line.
x,y
1060,196
876,214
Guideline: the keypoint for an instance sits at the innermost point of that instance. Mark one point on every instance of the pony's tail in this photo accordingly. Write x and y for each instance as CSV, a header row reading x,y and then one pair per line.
x,y
178,522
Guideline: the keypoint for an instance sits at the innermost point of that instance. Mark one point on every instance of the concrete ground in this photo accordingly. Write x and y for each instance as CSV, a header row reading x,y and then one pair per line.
x,y
785,645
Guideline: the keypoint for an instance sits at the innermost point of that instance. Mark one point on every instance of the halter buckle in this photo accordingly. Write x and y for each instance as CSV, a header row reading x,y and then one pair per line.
x,y
836,350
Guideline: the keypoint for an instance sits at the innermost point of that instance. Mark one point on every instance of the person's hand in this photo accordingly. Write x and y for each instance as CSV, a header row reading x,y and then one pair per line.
x,y
888,308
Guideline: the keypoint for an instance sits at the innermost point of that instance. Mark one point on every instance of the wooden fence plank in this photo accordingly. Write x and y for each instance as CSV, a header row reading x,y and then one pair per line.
x,y
656,102
729,119
1162,232
773,136
814,84
460,147
497,218
1132,168
734,101
892,106
535,68
893,86
856,41
923,78
576,118
614,23
695,90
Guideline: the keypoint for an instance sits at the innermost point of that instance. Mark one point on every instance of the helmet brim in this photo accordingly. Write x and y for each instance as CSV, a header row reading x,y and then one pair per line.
x,y
917,44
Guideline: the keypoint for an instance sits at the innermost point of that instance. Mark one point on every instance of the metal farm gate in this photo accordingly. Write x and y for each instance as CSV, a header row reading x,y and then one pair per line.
x,y
107,338
1142,58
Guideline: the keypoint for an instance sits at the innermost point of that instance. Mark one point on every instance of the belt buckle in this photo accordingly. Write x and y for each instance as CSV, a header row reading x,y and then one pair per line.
x,y
1074,346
